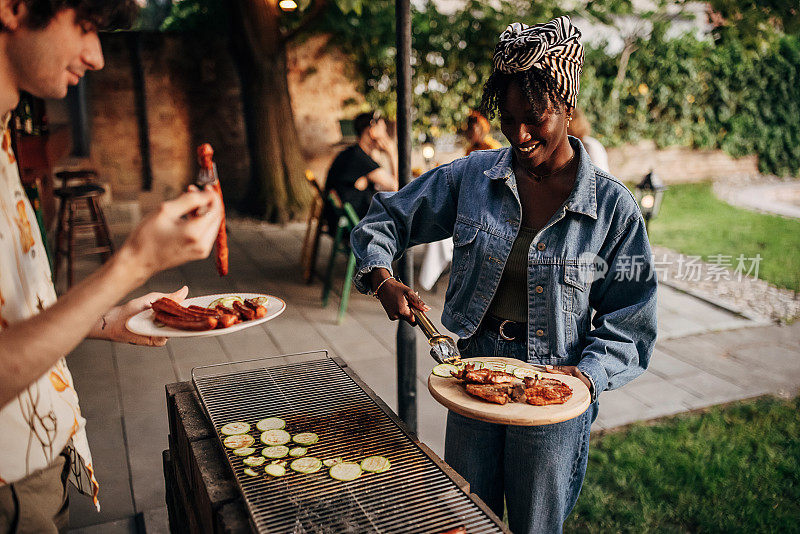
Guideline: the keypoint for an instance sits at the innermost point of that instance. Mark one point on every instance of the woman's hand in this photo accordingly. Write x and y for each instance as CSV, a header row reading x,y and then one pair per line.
x,y
570,370
396,297
112,325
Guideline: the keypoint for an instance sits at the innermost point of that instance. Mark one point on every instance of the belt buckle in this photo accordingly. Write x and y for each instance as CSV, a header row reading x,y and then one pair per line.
x,y
503,334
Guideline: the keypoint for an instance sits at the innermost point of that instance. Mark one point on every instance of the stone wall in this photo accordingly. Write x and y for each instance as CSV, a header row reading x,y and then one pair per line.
x,y
678,164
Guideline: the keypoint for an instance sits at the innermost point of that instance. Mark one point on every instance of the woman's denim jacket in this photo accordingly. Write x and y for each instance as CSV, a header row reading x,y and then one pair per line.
x,y
591,283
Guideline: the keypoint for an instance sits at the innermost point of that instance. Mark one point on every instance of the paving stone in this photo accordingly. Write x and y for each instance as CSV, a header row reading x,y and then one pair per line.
x,y
122,526
92,368
156,521
432,419
662,394
667,366
249,343
711,389
190,352
380,377
617,408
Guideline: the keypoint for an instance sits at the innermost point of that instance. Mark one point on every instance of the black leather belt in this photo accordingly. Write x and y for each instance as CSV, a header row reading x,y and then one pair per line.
x,y
508,330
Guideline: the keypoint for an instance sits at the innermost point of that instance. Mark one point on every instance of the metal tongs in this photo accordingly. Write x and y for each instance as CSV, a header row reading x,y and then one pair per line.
x,y
443,348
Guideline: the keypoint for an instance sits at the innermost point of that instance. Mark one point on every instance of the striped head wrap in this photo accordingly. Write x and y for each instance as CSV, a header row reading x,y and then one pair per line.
x,y
553,48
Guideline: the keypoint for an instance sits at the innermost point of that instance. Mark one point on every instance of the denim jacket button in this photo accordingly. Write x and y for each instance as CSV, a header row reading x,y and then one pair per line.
x,y
540,332
541,246
539,289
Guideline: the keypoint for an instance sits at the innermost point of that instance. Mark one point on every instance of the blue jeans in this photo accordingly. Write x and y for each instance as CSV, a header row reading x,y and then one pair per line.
x,y
539,469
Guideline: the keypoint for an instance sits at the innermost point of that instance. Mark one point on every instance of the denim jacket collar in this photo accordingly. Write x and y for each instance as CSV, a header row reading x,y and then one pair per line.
x,y
583,198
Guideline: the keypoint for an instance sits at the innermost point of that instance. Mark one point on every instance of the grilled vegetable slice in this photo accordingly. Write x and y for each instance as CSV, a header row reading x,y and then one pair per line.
x,y
376,464
275,437
270,423
510,368
345,471
244,451
444,370
522,372
305,438
308,464
254,461
296,452
330,462
260,301
277,451
250,472
226,301
237,427
238,441
494,366
276,470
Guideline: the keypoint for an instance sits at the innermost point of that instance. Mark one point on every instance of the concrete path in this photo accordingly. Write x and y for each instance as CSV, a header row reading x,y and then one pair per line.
x,y
699,362
777,198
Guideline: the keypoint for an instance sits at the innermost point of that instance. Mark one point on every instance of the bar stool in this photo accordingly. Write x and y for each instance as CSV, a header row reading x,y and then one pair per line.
x,y
79,210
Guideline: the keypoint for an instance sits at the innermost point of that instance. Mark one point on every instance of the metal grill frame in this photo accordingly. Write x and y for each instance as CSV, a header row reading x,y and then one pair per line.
x,y
448,486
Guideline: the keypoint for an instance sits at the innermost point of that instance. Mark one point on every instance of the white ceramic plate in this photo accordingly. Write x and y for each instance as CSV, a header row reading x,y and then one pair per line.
x,y
143,324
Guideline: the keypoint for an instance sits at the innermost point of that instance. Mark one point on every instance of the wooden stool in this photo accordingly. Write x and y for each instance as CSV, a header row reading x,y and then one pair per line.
x,y
74,196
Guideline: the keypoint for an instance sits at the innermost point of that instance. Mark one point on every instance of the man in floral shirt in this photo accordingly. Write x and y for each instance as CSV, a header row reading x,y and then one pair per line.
x,y
45,46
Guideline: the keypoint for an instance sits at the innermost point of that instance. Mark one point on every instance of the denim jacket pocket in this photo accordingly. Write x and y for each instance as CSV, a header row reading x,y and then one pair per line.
x,y
463,236
574,288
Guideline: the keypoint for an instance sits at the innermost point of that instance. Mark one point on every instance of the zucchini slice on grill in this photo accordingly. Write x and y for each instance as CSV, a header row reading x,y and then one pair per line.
x,y
376,464
275,437
444,370
345,471
297,452
276,470
270,423
306,465
277,451
254,461
330,462
244,451
238,441
305,438
236,427
250,472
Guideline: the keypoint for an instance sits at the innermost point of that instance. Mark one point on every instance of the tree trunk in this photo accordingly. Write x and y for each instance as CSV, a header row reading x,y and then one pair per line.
x,y
278,189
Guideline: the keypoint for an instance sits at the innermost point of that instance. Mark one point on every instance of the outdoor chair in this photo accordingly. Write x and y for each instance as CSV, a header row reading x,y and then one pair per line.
x,y
347,220
314,228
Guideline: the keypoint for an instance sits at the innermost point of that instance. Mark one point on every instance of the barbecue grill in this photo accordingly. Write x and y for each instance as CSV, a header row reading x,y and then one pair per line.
x,y
315,393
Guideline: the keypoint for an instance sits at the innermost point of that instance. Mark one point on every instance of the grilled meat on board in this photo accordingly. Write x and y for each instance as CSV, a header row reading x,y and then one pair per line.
x,y
545,391
471,375
497,394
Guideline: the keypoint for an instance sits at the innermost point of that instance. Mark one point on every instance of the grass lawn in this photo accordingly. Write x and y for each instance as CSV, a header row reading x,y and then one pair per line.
x,y
695,222
731,469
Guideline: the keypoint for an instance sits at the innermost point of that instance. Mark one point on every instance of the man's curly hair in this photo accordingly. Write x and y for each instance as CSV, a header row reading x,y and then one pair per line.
x,y
539,88
102,14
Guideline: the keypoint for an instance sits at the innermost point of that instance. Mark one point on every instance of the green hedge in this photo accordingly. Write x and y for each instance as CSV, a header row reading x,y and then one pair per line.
x,y
695,93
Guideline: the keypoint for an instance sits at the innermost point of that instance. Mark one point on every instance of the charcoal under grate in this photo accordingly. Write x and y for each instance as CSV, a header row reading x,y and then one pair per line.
x,y
314,393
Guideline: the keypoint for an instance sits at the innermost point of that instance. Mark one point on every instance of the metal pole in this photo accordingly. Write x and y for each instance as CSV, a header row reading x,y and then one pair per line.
x,y
406,340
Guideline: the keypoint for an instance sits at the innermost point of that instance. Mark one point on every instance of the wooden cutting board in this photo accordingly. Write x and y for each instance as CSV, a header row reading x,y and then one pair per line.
x,y
450,393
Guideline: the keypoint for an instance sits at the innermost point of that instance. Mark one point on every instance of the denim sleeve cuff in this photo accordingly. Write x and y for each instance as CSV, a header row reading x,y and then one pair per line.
x,y
358,278
596,374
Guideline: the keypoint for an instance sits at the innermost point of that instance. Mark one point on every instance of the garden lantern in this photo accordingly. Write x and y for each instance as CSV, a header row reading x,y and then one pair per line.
x,y
288,5
428,152
649,193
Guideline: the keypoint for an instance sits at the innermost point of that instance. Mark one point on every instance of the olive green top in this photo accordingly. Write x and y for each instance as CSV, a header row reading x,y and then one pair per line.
x,y
511,299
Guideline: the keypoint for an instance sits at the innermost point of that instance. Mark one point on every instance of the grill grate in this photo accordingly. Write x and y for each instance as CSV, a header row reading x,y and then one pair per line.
x,y
313,393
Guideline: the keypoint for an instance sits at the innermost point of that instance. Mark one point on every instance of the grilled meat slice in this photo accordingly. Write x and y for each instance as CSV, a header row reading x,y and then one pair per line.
x,y
518,393
545,391
489,392
487,376
461,373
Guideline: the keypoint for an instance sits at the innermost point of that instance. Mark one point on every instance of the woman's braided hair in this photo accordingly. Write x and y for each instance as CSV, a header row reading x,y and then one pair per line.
x,y
103,14
539,88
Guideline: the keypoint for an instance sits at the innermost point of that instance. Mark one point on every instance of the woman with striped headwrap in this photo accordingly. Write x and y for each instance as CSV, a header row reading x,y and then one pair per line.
x,y
551,265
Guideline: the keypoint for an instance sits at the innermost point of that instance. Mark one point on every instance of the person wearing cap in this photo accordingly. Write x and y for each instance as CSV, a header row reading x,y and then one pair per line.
x,y
551,265
477,133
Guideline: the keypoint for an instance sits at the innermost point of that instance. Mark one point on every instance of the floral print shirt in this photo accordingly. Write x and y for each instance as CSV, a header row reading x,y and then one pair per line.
x,y
45,418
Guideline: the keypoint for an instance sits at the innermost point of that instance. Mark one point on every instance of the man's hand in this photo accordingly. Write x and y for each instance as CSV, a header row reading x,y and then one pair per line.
x,y
112,324
397,298
181,230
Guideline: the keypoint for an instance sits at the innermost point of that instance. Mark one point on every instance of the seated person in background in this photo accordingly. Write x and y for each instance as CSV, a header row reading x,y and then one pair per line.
x,y
579,127
354,174
478,133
